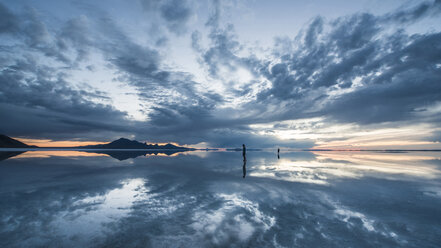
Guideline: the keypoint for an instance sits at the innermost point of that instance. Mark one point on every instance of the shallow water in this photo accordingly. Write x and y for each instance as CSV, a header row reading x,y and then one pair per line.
x,y
202,199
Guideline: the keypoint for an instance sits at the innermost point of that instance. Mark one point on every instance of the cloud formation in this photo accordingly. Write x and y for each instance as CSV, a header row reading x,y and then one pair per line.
x,y
79,78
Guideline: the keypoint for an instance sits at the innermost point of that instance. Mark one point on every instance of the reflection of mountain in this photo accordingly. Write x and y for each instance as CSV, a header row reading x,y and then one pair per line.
x,y
117,154
8,142
123,155
6,155
123,143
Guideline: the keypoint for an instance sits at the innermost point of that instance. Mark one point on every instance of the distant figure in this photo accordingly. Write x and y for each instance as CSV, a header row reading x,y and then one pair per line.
x,y
278,153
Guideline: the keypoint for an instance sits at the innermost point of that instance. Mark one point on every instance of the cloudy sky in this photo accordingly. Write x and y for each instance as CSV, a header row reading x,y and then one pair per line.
x,y
299,74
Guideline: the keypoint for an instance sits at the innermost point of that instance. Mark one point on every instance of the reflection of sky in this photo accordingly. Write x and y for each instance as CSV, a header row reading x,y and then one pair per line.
x,y
58,153
302,199
87,216
41,153
331,165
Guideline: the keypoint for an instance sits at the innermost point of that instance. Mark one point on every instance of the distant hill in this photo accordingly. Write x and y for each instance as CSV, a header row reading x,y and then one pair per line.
x,y
123,143
8,142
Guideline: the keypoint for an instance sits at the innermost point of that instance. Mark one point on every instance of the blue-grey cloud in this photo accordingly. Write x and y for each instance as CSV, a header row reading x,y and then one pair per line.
x,y
8,21
175,13
406,15
358,68
35,100
397,72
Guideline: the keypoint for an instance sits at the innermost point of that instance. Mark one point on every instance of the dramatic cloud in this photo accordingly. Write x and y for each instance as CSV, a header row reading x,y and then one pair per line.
x,y
173,71
38,100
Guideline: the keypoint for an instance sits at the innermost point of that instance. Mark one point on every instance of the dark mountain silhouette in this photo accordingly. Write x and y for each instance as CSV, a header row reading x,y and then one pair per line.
x,y
123,143
8,142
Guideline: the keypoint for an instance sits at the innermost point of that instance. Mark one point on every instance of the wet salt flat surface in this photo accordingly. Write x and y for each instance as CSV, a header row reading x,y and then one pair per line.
x,y
202,199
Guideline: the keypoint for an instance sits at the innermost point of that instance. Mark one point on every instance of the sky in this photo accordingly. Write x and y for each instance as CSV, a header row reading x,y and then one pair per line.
x,y
211,73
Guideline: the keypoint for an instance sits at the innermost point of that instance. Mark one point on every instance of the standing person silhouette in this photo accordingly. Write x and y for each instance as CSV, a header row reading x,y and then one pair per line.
x,y
244,152
278,153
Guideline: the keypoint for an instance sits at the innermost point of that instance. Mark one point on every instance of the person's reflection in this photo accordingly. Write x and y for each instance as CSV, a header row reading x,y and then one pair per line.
x,y
244,154
244,168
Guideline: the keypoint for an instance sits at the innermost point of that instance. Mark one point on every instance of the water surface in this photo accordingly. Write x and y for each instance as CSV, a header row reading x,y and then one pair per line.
x,y
210,199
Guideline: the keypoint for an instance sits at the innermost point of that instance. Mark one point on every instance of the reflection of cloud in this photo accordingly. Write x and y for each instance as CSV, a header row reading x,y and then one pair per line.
x,y
191,201
346,214
94,212
353,218
236,219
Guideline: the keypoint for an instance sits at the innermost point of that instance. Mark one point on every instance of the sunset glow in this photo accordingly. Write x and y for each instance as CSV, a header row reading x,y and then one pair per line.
x,y
48,154
51,143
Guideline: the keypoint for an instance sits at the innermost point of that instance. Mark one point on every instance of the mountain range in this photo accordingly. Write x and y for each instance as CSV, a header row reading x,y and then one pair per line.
x,y
122,143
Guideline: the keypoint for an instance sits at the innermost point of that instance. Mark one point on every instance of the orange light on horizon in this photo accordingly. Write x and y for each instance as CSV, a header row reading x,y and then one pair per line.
x,y
71,143
63,143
